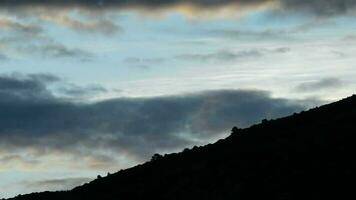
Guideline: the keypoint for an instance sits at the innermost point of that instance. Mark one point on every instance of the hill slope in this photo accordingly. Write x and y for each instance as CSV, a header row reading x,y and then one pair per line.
x,y
304,156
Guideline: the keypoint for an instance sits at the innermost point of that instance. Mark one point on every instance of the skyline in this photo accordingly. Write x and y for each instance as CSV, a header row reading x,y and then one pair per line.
x,y
90,87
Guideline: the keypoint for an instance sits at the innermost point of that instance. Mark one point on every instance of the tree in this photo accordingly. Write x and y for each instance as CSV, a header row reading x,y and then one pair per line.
x,y
235,130
156,156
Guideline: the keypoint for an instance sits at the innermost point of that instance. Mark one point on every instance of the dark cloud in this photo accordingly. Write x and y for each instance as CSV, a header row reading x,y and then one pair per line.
x,y
321,7
326,83
318,7
18,87
32,117
128,3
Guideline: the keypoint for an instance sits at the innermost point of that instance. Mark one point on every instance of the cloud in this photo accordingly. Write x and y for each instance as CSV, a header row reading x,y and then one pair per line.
x,y
34,118
24,87
349,38
3,57
229,56
136,60
27,20
13,161
220,56
30,39
326,83
18,27
275,34
251,35
127,4
143,63
76,91
56,184
321,7
317,7
56,50
90,24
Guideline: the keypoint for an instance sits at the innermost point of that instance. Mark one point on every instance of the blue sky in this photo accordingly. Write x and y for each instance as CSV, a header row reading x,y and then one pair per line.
x,y
138,78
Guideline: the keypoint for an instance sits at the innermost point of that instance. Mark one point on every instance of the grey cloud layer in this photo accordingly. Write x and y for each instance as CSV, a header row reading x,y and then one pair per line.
x,y
32,117
320,7
128,3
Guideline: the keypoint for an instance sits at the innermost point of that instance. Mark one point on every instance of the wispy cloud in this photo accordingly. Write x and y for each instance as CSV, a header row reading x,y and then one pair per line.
x,y
326,83
30,39
143,63
229,56
56,50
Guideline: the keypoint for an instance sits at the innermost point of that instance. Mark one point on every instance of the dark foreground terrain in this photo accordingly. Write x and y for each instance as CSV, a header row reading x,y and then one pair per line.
x,y
305,156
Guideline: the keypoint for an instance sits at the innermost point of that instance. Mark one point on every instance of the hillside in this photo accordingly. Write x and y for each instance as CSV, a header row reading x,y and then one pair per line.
x,y
304,156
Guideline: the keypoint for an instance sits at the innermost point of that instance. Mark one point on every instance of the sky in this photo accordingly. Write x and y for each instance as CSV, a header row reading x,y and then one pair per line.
x,y
89,87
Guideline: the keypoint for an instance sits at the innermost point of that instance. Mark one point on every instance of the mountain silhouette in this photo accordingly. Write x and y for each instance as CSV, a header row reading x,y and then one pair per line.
x,y
309,155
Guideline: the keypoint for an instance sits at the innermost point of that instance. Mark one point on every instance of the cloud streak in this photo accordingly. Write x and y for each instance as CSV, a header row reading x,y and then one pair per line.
x,y
230,56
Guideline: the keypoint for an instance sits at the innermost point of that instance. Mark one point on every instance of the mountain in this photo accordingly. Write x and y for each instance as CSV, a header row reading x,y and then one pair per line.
x,y
309,155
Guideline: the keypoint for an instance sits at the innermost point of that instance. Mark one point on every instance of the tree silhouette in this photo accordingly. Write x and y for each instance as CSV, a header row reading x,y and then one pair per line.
x,y
234,130
156,156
